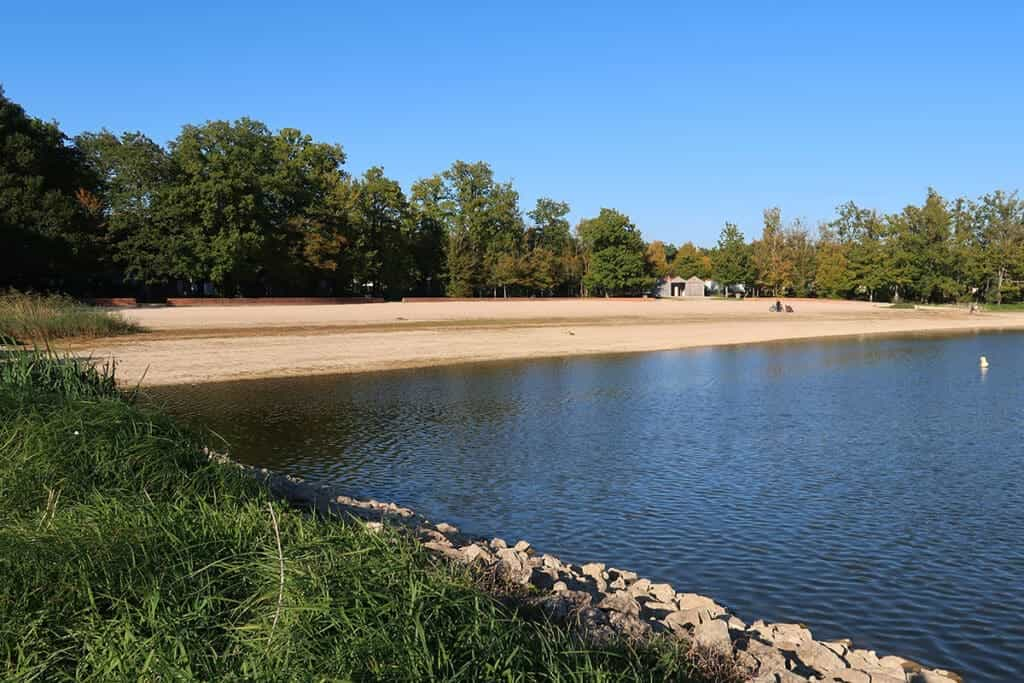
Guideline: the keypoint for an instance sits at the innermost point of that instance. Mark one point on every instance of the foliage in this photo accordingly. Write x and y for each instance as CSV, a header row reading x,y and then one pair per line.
x,y
41,318
126,554
236,208
614,254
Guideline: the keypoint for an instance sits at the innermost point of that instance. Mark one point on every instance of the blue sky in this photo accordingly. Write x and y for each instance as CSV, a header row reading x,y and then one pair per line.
x,y
683,115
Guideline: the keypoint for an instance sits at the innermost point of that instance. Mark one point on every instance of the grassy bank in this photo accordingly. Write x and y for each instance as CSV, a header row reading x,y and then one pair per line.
x,y
126,554
40,318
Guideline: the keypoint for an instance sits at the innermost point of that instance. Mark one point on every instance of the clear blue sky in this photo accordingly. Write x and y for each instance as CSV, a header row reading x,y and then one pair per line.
x,y
679,114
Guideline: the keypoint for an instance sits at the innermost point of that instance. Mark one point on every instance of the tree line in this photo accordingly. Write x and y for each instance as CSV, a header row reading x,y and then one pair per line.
x,y
234,208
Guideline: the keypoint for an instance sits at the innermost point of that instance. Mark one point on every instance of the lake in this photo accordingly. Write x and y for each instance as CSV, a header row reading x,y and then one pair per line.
x,y
869,488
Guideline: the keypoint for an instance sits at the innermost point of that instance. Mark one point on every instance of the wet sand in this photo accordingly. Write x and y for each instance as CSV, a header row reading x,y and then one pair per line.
x,y
203,344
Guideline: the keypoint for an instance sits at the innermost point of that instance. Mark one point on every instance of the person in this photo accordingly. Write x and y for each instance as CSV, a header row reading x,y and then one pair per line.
x,y
778,306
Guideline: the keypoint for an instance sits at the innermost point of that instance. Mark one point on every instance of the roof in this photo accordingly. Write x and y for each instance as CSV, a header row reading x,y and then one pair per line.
x,y
696,279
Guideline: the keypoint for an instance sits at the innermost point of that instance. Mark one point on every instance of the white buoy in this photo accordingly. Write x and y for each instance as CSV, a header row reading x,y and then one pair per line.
x,y
983,362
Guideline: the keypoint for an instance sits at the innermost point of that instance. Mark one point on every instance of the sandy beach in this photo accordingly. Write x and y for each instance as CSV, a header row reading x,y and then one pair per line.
x,y
204,344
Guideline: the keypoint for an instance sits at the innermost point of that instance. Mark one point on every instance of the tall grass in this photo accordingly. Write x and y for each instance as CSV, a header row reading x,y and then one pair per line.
x,y
39,318
125,555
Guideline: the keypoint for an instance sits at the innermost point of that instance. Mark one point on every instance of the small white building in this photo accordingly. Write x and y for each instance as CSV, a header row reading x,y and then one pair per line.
x,y
671,287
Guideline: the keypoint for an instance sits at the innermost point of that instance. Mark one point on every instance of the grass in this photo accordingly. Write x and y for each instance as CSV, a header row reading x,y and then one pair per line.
x,y
125,554
996,308
40,318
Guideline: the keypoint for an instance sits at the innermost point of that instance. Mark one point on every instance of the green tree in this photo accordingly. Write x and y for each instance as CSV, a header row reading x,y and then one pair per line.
x,y
730,262
771,260
614,254
382,227
50,235
691,261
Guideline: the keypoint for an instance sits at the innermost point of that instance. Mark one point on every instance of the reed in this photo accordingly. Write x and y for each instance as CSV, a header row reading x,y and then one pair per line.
x,y
40,318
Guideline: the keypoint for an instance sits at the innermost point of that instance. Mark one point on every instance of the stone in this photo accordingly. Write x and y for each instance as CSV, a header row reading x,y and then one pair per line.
x,y
862,659
522,546
475,553
620,602
816,656
714,635
618,583
512,568
498,543
662,592
684,619
626,576
594,569
629,625
851,676
781,635
898,664
445,549
446,528
639,587
735,623
560,606
765,658
692,601
560,586
653,609
593,625
543,579
935,676
550,561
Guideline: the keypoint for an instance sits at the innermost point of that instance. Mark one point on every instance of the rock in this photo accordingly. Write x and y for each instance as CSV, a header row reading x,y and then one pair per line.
x,y
543,579
550,561
521,546
684,619
475,553
735,623
445,549
935,676
761,658
498,543
618,583
850,676
662,592
626,576
652,609
816,656
862,659
713,634
512,567
639,587
446,528
560,586
692,601
560,606
620,602
593,625
375,527
594,569
898,664
781,635
629,625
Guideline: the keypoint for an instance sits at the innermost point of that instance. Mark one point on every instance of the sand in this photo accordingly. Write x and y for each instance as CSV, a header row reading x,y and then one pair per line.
x,y
204,344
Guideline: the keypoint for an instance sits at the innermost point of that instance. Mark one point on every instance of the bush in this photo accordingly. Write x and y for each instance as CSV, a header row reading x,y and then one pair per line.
x,y
39,318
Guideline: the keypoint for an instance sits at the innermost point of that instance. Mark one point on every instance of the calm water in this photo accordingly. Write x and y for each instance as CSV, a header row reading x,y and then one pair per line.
x,y
870,489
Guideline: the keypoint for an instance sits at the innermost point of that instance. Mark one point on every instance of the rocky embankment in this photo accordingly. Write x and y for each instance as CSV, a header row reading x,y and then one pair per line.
x,y
604,602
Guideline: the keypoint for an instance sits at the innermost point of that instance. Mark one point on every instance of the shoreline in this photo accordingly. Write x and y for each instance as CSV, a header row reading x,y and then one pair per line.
x,y
605,603
214,344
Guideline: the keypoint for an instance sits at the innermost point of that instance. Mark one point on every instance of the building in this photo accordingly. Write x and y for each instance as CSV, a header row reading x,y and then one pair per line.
x,y
670,287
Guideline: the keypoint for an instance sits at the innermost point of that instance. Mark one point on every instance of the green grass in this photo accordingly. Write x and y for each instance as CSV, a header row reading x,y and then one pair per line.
x,y
125,554
903,305
39,318
996,308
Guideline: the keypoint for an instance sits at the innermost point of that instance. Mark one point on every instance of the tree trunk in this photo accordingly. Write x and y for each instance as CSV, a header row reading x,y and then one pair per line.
x,y
999,286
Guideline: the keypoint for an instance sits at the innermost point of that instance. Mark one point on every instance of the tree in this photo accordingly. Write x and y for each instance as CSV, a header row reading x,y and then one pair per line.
x,y
730,262
50,234
691,261
1001,236
481,222
831,272
656,259
771,260
614,254
381,226
135,174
